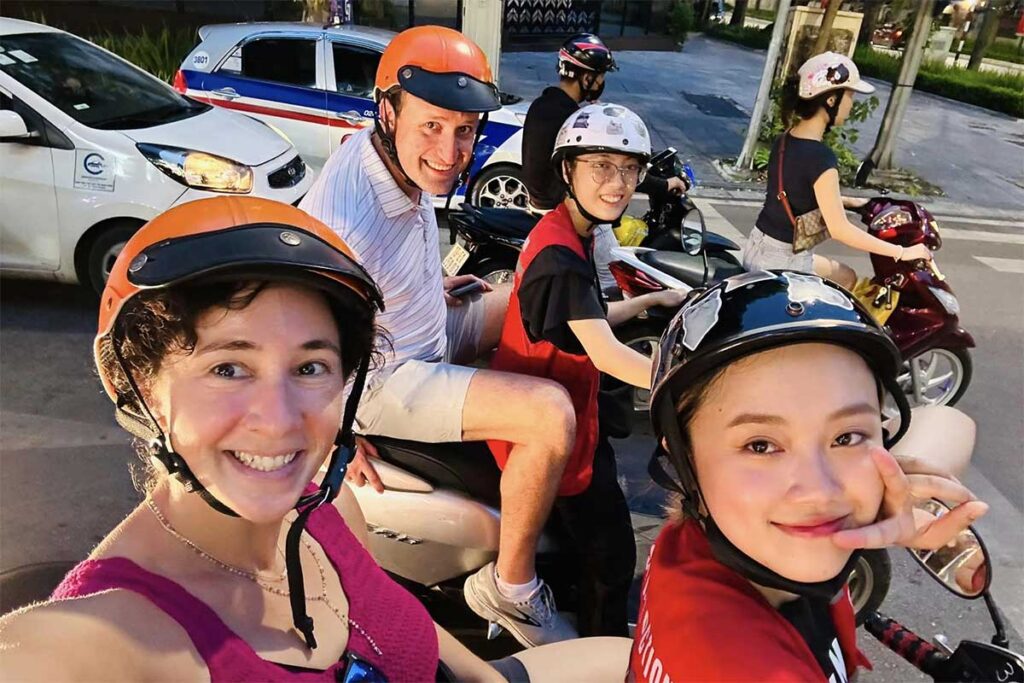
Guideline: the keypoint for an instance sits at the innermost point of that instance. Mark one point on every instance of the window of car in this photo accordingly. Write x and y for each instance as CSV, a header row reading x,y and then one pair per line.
x,y
355,69
89,85
280,60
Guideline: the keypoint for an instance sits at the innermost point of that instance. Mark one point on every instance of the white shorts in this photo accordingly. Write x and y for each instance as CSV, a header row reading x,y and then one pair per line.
x,y
767,253
423,400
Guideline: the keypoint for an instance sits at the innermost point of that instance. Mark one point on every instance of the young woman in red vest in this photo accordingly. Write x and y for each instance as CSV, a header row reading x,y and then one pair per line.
x,y
558,326
766,398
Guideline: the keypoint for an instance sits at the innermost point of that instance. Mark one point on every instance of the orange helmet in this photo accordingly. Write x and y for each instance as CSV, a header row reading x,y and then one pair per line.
x,y
441,66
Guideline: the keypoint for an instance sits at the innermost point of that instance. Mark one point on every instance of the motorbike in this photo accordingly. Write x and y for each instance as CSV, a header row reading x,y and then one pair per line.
x,y
965,569
912,298
486,241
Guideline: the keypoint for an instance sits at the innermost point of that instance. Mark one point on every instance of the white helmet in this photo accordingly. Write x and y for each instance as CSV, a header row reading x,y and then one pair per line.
x,y
602,128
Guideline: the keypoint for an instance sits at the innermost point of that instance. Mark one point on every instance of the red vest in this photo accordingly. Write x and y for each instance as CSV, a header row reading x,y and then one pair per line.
x,y
701,621
516,353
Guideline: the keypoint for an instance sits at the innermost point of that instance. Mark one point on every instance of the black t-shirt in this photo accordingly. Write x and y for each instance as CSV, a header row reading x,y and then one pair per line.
x,y
543,121
812,619
556,288
805,161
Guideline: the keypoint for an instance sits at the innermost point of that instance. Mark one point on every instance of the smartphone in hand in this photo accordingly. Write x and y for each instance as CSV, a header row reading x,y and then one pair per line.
x,y
467,289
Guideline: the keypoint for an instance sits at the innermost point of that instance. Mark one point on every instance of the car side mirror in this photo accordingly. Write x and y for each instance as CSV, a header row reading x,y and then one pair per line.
x,y
13,128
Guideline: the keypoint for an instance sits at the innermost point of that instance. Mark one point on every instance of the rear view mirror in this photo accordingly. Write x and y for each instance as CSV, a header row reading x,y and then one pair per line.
x,y
13,128
962,565
693,233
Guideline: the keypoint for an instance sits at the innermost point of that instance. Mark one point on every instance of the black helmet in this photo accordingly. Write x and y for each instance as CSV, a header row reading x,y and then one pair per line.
x,y
582,53
738,317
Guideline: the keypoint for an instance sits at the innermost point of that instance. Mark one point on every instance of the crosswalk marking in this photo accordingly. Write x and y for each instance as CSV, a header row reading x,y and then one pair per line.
x,y
980,236
716,222
1003,265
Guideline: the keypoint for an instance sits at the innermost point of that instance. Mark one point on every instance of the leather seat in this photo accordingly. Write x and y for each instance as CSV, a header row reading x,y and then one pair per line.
x,y
466,467
689,269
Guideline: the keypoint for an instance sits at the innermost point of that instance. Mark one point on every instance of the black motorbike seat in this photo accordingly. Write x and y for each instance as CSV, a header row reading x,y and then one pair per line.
x,y
467,467
689,269
509,223
713,240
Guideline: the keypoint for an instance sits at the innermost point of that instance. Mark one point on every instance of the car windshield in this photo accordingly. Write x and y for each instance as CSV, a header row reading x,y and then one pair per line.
x,y
88,84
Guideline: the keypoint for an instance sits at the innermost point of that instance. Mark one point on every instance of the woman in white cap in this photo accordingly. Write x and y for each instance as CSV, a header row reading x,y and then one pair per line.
x,y
803,206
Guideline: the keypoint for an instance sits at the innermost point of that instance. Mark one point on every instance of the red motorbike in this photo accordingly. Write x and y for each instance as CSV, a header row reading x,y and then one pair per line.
x,y
919,308
924,319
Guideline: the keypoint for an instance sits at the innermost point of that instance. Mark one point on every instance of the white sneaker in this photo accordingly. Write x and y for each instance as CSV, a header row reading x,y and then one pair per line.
x,y
532,622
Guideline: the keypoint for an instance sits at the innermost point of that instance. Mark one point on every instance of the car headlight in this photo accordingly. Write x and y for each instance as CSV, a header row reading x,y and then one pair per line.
x,y
198,169
947,300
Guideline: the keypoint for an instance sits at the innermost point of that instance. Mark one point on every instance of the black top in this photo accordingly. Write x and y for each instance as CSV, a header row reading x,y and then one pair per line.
x,y
805,161
543,121
812,618
556,288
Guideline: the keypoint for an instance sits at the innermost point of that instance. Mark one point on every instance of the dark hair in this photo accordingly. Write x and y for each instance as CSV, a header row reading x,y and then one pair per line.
x,y
155,324
793,107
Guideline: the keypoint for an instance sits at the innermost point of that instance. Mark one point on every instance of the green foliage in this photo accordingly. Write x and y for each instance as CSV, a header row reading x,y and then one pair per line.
x,y
999,92
840,139
680,20
1005,49
757,38
160,52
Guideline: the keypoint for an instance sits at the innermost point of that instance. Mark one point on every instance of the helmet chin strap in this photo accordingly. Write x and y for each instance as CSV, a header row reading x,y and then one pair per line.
x,y
387,140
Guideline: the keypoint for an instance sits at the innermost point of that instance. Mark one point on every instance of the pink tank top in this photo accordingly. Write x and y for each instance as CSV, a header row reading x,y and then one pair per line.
x,y
398,624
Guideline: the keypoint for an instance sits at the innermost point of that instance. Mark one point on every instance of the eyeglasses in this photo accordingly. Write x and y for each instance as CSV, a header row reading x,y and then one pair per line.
x,y
604,171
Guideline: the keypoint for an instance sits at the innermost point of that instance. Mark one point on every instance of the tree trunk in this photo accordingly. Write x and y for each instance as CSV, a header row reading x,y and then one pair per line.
x,y
986,34
739,13
827,20
872,8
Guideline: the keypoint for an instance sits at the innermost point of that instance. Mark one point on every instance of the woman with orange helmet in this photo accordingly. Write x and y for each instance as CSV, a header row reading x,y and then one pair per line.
x,y
228,330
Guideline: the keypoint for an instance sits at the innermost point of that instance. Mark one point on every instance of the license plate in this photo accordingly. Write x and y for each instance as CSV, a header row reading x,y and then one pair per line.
x,y
455,259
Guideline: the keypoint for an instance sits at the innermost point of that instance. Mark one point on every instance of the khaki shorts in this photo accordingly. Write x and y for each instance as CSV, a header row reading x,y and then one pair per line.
x,y
766,253
423,400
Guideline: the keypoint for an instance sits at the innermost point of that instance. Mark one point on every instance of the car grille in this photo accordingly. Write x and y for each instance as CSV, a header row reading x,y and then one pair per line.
x,y
288,175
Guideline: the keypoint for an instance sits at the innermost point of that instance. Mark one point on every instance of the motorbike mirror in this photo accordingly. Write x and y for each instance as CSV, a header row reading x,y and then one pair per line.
x,y
963,565
693,235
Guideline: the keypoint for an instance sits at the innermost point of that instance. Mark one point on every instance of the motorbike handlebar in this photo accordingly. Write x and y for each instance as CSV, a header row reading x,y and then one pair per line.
x,y
906,643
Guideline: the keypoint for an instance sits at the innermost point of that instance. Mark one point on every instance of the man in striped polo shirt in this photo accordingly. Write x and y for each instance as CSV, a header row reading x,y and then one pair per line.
x,y
377,192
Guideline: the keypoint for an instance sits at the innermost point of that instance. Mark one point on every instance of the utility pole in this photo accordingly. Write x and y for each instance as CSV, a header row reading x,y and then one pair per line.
x,y
746,156
881,155
481,22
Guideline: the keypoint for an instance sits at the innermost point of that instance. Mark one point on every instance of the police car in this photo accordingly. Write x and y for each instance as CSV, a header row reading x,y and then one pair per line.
x,y
92,147
315,84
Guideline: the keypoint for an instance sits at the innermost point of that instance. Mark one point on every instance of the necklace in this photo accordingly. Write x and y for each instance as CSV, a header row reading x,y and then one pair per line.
x,y
259,580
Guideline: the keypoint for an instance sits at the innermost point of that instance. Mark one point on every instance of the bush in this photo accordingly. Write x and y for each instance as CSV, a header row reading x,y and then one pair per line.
x,y
999,92
757,38
680,20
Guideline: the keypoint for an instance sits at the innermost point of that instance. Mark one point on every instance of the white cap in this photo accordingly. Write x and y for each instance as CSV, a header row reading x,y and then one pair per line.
x,y
830,71
606,128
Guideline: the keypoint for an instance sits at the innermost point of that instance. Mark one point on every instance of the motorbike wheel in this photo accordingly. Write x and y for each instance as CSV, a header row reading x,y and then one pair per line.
x,y
869,582
944,375
642,336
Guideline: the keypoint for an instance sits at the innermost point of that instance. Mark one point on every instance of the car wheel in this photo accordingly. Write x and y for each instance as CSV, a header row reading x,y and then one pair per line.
x,y
500,186
104,250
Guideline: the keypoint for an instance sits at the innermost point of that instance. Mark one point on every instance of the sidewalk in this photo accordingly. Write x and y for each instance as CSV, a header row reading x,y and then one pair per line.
x,y
699,101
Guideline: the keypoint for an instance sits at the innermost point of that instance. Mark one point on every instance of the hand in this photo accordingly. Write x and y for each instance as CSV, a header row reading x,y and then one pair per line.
x,y
670,298
897,524
451,283
677,186
917,252
360,471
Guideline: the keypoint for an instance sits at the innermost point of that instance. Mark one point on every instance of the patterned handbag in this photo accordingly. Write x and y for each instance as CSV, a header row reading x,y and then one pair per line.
x,y
809,229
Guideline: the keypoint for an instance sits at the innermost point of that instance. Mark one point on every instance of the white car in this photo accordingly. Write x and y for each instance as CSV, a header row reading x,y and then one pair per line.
x,y
92,147
315,84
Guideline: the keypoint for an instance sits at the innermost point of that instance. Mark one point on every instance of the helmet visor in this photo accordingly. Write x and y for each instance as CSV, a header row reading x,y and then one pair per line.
x,y
253,249
453,91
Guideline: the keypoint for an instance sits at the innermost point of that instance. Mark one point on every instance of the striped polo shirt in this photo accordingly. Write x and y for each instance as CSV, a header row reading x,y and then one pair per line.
x,y
394,238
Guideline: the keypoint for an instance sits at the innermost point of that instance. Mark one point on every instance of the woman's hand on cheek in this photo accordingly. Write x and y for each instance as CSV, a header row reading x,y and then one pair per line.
x,y
896,524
